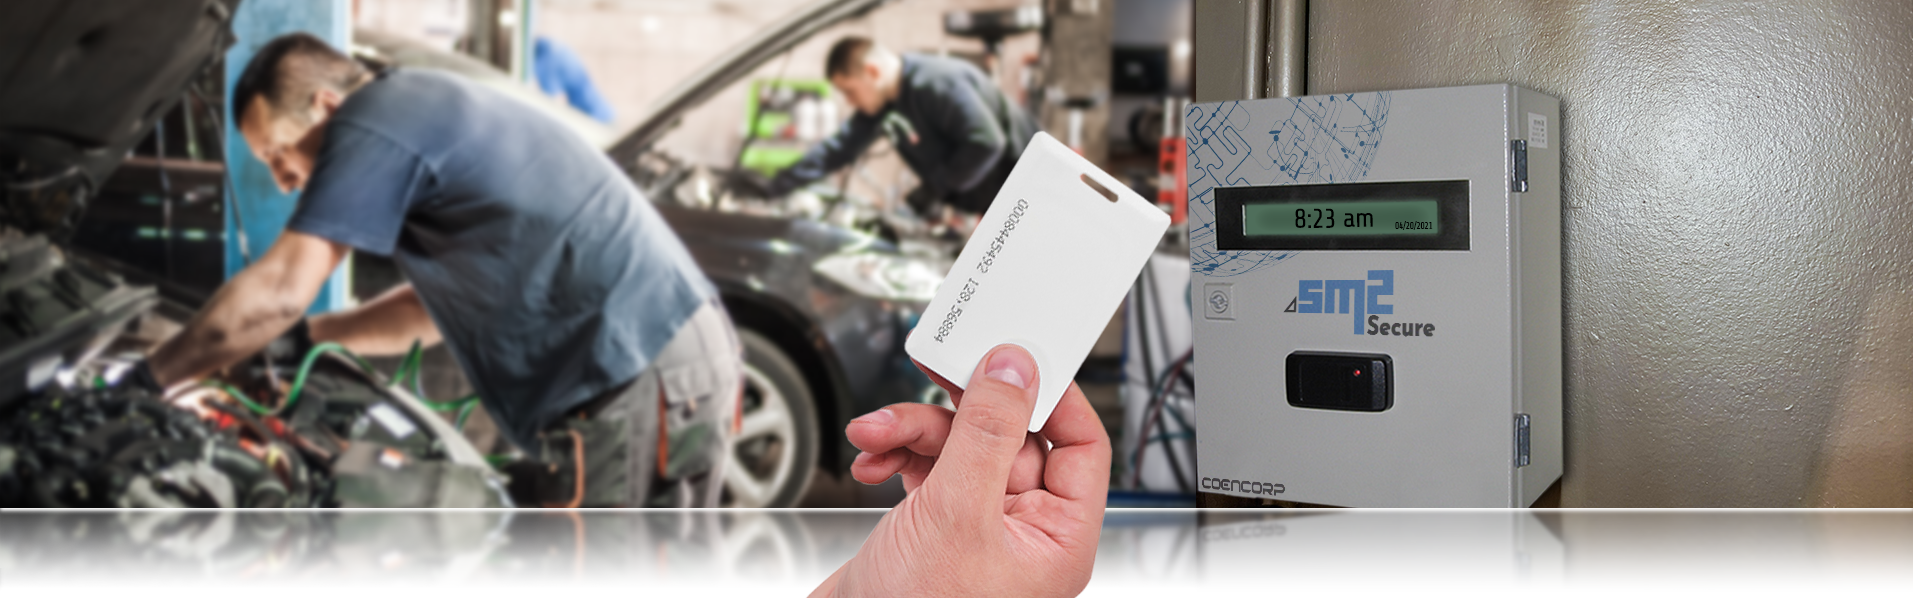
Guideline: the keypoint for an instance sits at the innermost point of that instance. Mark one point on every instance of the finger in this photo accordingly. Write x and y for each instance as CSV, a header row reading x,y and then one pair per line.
x,y
1026,472
877,468
915,426
987,432
914,465
913,477
1078,461
956,394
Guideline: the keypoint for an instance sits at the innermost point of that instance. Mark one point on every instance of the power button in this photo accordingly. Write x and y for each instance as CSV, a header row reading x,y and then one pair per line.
x,y
1218,301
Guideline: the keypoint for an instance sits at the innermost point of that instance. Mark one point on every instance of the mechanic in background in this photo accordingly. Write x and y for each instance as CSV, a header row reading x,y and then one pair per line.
x,y
945,117
561,74
570,305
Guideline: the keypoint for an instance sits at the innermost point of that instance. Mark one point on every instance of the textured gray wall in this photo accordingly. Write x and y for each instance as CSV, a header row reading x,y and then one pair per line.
x,y
1738,229
1078,67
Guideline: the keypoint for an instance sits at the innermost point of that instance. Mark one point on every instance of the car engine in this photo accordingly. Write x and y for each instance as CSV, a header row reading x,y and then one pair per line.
x,y
280,430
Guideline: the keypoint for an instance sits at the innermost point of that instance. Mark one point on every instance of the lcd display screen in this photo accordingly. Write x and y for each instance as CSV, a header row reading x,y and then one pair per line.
x,y
1402,217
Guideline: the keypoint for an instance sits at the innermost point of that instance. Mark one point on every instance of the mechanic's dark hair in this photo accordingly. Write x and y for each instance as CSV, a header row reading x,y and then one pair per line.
x,y
847,55
289,69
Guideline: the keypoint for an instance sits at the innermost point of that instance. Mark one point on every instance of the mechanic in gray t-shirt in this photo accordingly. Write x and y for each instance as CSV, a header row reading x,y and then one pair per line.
x,y
560,290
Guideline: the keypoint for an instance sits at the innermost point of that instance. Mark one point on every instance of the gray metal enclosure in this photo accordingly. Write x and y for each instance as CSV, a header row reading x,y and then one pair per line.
x,y
1737,229
1469,417
1738,321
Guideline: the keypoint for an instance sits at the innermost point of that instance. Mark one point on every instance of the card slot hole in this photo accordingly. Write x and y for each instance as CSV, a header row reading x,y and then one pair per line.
x,y
1107,194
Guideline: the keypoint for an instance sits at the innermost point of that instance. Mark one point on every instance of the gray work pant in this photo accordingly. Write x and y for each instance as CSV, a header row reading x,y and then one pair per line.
x,y
680,413
659,440
693,384
657,448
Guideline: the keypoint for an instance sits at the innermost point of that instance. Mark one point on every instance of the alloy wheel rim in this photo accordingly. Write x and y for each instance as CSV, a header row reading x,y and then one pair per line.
x,y
770,422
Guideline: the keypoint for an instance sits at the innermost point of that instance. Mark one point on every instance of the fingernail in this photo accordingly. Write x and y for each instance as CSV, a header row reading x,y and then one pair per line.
x,y
1011,367
879,417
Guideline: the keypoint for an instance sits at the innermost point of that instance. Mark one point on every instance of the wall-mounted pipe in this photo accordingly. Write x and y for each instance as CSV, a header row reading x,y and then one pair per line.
x,y
1288,35
1255,38
1250,49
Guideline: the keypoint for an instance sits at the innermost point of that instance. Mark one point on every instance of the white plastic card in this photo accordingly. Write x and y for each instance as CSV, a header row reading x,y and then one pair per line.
x,y
1049,262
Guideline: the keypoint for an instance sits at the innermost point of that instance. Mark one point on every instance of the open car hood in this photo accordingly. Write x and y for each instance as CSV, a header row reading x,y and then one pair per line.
x,y
81,82
734,64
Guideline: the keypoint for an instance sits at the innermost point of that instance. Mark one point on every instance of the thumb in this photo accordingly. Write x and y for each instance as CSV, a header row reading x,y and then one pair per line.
x,y
986,434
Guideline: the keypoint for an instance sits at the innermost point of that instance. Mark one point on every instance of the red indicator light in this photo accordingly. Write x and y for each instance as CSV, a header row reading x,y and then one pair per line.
x,y
1358,372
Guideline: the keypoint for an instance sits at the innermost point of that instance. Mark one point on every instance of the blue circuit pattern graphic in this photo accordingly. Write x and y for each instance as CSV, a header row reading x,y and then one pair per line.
x,y
1317,139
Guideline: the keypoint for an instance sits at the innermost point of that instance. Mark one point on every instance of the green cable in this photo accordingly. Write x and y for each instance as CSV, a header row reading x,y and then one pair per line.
x,y
464,405
305,369
412,369
447,405
409,368
464,412
412,364
234,393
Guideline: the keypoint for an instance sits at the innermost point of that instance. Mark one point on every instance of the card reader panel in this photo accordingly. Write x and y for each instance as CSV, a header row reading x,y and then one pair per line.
x,y
1341,381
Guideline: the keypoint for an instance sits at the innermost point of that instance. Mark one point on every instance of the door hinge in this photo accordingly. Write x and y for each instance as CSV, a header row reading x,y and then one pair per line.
x,y
1518,181
1520,440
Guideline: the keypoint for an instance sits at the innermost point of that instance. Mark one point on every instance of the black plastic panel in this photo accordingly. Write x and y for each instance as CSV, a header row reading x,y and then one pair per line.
x,y
1341,381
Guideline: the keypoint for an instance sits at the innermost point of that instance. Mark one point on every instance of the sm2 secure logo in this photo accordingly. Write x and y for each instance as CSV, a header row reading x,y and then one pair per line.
x,y
1362,299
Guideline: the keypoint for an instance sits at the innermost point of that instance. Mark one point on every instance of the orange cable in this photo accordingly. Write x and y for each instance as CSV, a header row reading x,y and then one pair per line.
x,y
664,566
664,435
578,545
737,415
578,456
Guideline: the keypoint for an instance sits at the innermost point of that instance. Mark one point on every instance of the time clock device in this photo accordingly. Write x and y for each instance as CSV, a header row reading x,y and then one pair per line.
x,y
1377,287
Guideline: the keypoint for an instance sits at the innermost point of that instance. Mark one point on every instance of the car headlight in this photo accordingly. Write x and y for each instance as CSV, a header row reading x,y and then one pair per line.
x,y
882,276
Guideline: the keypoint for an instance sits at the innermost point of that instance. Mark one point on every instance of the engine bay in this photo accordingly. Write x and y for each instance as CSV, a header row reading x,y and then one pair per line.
x,y
318,429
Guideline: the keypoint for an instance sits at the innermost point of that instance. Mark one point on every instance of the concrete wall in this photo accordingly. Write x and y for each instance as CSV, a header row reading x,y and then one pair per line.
x,y
1739,326
1078,68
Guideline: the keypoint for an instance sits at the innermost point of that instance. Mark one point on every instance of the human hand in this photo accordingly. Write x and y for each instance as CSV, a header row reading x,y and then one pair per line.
x,y
992,510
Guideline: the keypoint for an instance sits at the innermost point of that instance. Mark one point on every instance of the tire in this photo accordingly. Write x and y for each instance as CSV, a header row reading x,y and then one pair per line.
x,y
772,458
768,549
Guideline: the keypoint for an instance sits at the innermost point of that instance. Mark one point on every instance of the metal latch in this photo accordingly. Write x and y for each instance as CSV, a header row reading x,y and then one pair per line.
x,y
1519,180
1520,440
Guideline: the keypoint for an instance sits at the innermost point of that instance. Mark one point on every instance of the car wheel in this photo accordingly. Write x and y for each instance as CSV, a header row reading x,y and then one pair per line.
x,y
936,395
768,549
775,451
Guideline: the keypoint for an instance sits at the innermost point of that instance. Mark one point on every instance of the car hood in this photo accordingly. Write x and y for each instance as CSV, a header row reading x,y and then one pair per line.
x,y
734,64
81,82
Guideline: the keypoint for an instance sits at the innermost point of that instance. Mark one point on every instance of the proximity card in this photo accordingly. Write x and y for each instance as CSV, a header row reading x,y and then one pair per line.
x,y
1048,263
